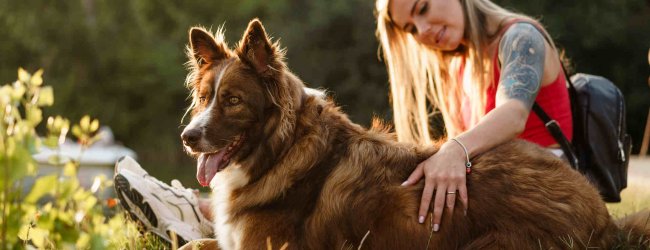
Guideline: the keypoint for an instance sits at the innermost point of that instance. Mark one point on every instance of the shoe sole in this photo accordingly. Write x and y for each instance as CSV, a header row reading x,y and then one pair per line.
x,y
146,216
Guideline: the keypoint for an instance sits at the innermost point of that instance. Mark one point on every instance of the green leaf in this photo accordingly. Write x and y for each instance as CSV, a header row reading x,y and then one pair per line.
x,y
16,218
76,131
70,169
23,75
37,78
51,141
35,234
67,189
94,126
22,233
34,115
85,123
19,163
97,242
85,200
64,218
5,94
46,218
11,147
83,241
43,185
46,96
33,142
18,91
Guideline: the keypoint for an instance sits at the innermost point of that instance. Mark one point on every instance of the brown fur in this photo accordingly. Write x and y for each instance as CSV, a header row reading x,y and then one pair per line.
x,y
309,177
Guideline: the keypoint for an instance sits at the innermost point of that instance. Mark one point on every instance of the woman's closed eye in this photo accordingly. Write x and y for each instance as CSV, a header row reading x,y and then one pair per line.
x,y
423,8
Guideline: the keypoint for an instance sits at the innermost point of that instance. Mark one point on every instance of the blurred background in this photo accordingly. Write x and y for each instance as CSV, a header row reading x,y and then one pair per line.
x,y
121,61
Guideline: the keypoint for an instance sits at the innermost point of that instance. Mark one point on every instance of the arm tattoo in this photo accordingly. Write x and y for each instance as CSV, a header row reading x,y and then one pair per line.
x,y
522,53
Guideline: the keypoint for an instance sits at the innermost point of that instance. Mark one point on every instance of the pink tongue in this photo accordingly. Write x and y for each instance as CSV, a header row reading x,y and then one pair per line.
x,y
208,166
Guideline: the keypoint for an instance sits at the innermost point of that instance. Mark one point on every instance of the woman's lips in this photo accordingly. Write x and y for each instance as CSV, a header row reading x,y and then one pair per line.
x,y
441,35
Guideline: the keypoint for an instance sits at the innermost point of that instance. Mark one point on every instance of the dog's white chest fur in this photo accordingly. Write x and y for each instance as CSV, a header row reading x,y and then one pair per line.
x,y
228,234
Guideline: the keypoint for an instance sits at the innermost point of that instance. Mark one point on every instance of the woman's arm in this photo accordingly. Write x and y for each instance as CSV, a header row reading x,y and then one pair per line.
x,y
522,53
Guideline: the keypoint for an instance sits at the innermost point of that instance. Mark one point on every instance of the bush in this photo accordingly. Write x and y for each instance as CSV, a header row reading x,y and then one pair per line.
x,y
56,213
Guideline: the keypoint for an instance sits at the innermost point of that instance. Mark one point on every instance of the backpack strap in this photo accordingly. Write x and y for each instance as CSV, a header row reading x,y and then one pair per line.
x,y
554,128
551,125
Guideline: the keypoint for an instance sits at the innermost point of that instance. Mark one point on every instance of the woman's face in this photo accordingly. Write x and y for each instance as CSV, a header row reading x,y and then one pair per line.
x,y
438,24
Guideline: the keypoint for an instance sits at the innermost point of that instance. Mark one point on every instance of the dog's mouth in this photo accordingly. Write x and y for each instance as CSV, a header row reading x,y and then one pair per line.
x,y
209,164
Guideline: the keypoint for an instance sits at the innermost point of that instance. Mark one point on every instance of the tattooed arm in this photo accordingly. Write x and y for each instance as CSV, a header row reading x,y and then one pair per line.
x,y
521,53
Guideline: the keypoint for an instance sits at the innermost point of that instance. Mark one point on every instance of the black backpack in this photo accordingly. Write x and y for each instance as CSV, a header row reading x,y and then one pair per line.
x,y
601,146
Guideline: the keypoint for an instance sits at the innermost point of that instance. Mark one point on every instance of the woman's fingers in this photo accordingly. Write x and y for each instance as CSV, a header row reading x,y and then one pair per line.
x,y
451,198
462,191
425,202
415,176
438,206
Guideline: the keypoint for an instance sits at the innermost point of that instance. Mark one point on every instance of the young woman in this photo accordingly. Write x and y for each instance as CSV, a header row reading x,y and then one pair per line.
x,y
482,67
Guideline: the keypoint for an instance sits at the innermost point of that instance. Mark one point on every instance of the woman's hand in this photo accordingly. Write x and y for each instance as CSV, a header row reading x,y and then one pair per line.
x,y
444,172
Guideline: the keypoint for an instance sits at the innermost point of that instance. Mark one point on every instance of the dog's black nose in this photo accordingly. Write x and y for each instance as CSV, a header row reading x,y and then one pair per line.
x,y
191,137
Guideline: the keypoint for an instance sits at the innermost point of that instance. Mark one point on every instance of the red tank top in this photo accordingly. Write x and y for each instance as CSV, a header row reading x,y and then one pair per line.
x,y
553,98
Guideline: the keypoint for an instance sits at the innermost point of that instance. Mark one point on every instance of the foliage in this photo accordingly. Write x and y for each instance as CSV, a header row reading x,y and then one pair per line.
x,y
57,213
123,60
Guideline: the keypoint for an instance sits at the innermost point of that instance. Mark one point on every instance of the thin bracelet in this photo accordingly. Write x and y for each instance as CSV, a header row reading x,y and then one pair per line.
x,y
468,165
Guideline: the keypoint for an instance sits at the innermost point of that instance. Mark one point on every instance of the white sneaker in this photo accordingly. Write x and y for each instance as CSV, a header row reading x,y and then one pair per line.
x,y
159,207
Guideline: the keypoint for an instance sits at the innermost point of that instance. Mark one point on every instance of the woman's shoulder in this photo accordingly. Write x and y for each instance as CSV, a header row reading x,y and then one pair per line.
x,y
528,41
520,36
518,23
522,30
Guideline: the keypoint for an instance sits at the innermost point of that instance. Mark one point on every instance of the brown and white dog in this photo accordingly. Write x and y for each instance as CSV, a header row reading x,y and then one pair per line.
x,y
287,165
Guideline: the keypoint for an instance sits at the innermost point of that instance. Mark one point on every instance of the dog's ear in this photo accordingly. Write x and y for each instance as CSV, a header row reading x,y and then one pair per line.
x,y
204,48
256,49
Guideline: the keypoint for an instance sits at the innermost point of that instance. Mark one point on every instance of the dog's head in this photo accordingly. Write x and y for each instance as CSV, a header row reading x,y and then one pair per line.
x,y
238,96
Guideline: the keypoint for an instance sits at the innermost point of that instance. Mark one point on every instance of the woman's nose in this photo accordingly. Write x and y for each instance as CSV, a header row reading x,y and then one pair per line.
x,y
422,28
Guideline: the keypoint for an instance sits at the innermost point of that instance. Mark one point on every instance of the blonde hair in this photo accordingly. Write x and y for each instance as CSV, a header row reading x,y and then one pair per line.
x,y
420,76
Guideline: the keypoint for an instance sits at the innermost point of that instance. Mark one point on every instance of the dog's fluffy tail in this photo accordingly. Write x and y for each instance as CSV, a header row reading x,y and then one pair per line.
x,y
634,231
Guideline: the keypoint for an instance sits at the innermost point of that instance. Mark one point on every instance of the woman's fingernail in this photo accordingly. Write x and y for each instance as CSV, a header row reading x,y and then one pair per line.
x,y
465,212
404,184
436,227
421,219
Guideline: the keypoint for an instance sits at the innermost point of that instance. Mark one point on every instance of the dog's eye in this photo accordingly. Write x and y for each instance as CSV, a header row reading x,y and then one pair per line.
x,y
234,100
202,99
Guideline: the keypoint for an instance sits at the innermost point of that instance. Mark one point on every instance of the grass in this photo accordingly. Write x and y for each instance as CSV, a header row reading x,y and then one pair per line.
x,y
635,197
